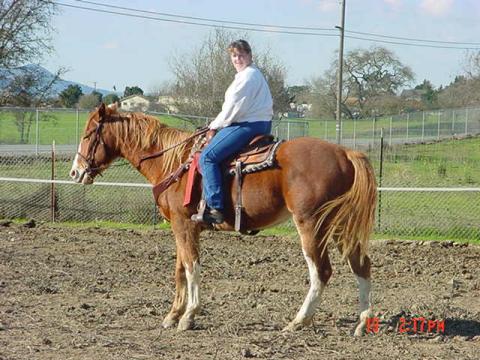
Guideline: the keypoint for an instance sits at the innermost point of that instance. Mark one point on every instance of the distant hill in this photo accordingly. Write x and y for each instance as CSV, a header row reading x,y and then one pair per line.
x,y
6,77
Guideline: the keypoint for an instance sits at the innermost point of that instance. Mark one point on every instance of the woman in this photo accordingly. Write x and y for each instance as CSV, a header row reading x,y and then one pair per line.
x,y
246,112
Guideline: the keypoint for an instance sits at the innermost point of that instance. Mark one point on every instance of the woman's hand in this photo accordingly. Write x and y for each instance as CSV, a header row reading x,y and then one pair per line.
x,y
210,134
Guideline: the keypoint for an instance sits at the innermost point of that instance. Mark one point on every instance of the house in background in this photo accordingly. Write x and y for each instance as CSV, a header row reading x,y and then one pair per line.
x,y
167,102
135,103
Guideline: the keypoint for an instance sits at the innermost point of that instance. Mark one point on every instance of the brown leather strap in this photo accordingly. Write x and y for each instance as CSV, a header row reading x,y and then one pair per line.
x,y
239,205
169,180
161,152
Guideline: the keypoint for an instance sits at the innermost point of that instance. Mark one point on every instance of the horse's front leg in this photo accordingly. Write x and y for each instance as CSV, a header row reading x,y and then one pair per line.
x,y
187,298
180,300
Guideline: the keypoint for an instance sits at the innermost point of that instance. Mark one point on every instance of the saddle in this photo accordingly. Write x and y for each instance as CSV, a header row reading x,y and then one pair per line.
x,y
258,155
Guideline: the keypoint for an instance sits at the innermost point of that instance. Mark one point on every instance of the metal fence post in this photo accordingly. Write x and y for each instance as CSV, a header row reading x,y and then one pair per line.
x,y
466,121
36,131
52,185
453,122
390,133
438,129
288,130
354,133
380,177
77,127
408,120
423,125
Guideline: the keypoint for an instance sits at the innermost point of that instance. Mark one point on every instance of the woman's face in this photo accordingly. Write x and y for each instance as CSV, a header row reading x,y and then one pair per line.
x,y
240,59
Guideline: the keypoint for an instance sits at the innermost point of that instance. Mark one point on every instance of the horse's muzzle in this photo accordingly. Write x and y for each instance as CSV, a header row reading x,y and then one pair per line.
x,y
81,176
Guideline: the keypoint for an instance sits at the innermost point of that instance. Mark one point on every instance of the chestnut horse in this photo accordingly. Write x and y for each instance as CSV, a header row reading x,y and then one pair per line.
x,y
328,190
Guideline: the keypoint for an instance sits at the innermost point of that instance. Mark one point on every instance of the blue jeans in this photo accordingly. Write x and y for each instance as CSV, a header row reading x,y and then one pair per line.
x,y
227,142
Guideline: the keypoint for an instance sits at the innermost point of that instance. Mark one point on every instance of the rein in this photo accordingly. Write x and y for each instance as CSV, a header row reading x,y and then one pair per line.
x,y
161,152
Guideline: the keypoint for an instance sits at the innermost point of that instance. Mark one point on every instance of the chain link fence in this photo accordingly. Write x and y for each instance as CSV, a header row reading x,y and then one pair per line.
x,y
425,189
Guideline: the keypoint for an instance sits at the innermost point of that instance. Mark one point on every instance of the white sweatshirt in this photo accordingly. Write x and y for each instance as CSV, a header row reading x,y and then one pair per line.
x,y
247,99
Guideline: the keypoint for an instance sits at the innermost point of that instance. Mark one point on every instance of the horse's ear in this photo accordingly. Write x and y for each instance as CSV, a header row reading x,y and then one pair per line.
x,y
113,107
101,111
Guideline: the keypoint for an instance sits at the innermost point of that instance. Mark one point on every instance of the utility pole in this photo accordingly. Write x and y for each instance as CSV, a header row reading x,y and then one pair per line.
x,y
338,126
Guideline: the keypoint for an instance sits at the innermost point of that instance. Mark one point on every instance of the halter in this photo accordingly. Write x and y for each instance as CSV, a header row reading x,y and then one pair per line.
x,y
92,169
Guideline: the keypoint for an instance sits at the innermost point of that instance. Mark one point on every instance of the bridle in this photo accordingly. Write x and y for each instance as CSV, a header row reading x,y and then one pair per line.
x,y
93,170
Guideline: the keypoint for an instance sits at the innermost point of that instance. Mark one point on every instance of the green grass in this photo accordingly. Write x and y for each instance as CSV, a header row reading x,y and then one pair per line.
x,y
444,163
65,127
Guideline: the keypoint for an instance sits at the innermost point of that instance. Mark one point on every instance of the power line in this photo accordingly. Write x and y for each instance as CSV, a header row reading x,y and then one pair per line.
x,y
412,44
206,19
276,26
191,22
411,39
268,28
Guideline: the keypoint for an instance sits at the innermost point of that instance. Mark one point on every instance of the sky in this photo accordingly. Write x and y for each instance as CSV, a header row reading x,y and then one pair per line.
x,y
107,50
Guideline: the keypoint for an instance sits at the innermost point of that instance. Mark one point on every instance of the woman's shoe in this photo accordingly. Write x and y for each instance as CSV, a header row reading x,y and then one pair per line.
x,y
209,216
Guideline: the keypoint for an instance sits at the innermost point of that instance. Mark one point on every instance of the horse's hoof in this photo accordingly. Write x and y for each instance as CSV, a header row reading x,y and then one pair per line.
x,y
185,324
293,326
169,322
359,330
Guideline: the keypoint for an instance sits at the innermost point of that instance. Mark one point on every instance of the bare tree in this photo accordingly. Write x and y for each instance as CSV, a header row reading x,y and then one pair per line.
x,y
25,30
368,76
463,91
25,34
472,65
29,88
202,77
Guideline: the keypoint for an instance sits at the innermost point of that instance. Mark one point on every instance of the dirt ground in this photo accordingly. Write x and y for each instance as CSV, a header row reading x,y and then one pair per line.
x,y
102,294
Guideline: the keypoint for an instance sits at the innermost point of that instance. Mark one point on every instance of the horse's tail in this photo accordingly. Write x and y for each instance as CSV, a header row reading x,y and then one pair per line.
x,y
350,217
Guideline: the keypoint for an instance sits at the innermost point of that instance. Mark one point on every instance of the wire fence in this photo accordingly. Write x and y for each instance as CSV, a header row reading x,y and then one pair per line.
x,y
424,189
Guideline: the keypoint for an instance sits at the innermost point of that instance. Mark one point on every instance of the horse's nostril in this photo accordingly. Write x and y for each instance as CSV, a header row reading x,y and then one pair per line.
x,y
74,174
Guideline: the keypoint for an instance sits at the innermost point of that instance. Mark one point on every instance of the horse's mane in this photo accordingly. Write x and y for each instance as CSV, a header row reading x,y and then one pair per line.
x,y
139,132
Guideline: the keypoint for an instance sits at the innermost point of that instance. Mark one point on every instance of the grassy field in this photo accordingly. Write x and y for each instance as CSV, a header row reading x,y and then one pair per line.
x,y
65,126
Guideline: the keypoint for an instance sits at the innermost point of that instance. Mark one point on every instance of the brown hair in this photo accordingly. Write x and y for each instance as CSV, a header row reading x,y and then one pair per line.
x,y
240,45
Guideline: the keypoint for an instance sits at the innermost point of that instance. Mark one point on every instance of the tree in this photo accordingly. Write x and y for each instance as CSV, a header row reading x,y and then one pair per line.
x,y
25,28
98,95
132,90
429,95
202,77
472,65
462,92
375,72
111,98
70,96
89,101
368,75
28,88
465,89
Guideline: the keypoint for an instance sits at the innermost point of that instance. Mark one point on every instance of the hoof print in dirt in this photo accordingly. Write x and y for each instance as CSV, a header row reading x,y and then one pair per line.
x,y
5,223
30,224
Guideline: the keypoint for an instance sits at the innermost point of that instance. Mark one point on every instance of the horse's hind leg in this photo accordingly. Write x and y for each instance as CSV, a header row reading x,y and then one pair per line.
x,y
362,273
319,269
